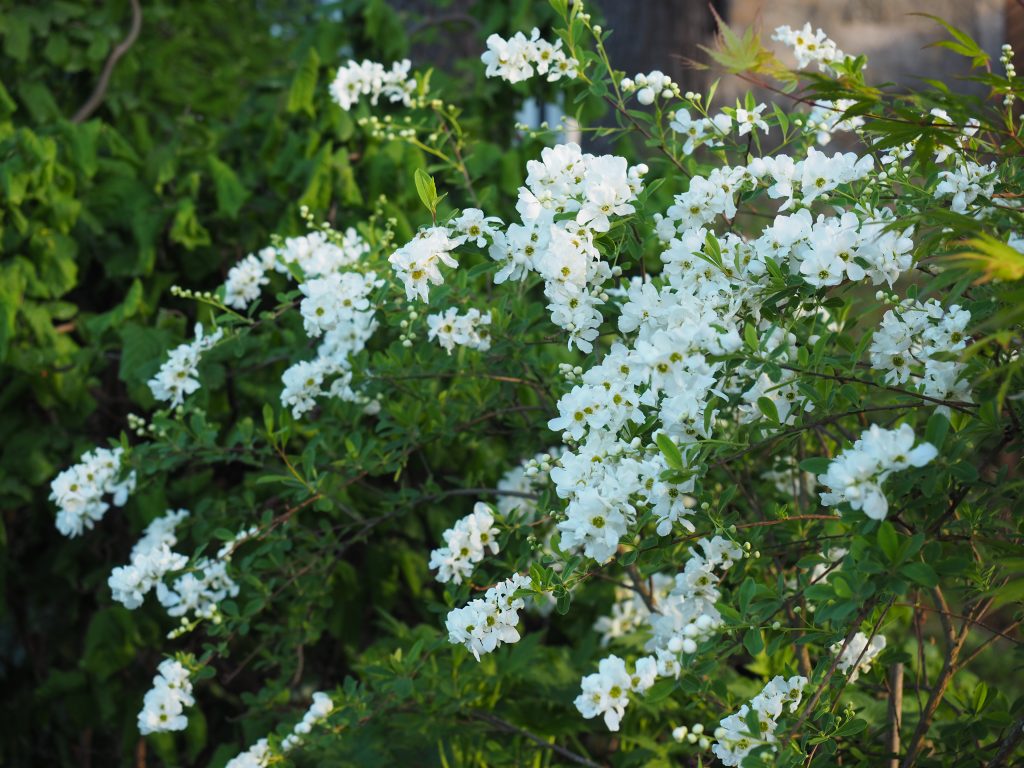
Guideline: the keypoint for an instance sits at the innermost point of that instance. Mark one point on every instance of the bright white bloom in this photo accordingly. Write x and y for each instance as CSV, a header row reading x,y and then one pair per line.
x,y
484,624
650,86
858,654
688,616
337,299
748,120
826,118
911,340
198,591
247,278
856,475
454,330
179,375
966,183
369,78
465,544
418,262
734,741
151,558
260,755
80,490
520,58
606,692
810,47
320,253
164,705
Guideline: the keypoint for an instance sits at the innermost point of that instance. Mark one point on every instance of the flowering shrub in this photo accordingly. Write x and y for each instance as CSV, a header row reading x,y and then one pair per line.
x,y
776,410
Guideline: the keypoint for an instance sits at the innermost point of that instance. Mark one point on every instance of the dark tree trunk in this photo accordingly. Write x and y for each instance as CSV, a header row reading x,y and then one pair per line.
x,y
661,34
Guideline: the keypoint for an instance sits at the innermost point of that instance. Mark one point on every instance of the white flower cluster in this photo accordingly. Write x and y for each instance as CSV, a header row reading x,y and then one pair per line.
x,y
826,118
163,708
417,263
454,330
336,308
151,558
606,692
316,254
79,490
563,251
734,741
650,86
369,78
910,341
260,755
246,279
966,183
520,58
686,615
195,592
531,476
179,375
856,475
692,735
810,47
1006,59
465,545
700,131
858,654
629,611
484,624
339,299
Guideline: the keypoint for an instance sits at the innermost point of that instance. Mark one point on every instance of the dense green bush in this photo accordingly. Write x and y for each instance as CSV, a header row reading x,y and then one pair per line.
x,y
786,374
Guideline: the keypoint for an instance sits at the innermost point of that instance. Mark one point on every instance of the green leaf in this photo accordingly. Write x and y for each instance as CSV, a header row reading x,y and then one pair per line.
x,y
303,88
426,189
753,641
850,728
660,691
935,432
750,337
817,465
888,540
767,406
231,194
746,593
920,573
669,450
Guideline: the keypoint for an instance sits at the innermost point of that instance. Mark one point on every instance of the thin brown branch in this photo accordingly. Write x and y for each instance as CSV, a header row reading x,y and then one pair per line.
x,y
512,728
93,102
895,712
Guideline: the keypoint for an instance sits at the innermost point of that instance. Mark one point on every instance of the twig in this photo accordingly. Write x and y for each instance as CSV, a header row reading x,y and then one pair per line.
x,y
1013,735
94,101
559,750
895,713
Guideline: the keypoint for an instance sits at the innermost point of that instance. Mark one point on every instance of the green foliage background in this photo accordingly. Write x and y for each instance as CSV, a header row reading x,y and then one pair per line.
x,y
215,128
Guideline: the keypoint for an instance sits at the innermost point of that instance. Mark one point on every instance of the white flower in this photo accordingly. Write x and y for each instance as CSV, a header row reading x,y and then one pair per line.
x,y
80,490
451,329
466,543
368,78
606,692
858,654
163,706
856,475
516,59
178,376
484,624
